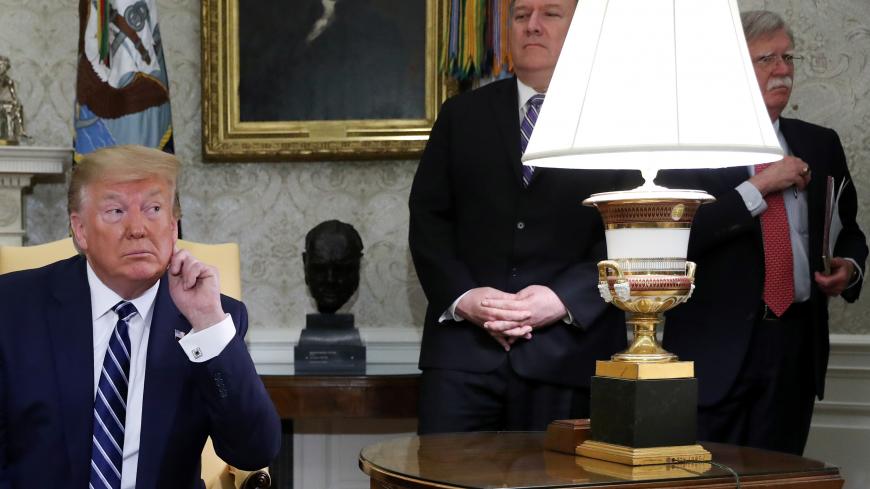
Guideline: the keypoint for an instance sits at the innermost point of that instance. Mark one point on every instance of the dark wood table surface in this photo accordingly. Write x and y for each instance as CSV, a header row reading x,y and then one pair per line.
x,y
517,460
383,391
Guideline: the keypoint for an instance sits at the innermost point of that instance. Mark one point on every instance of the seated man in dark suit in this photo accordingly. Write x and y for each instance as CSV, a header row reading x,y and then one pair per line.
x,y
507,254
757,324
115,365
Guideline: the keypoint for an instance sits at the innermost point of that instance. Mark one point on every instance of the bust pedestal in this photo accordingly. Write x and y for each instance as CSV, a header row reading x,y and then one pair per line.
x,y
330,344
18,164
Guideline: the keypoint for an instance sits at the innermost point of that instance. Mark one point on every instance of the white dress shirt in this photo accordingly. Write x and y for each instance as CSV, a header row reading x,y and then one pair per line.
x,y
199,347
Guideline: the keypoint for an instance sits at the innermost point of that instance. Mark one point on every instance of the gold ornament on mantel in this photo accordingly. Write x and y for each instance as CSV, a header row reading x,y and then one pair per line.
x,y
11,111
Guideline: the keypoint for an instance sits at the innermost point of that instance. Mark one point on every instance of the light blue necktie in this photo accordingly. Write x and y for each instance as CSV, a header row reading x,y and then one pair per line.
x,y
533,107
110,405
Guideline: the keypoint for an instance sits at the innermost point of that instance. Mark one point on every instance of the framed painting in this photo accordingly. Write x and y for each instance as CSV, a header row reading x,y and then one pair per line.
x,y
320,79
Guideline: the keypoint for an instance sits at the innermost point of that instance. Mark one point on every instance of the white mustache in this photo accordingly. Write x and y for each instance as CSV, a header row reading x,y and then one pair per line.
x,y
779,81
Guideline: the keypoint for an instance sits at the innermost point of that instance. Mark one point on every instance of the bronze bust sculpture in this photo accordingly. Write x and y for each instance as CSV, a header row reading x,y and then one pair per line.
x,y
333,250
330,343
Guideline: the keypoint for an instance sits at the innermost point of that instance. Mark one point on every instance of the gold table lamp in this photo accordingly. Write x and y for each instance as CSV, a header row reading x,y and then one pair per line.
x,y
648,85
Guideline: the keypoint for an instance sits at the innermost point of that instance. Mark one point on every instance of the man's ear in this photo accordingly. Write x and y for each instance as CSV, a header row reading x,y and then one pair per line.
x,y
175,230
77,226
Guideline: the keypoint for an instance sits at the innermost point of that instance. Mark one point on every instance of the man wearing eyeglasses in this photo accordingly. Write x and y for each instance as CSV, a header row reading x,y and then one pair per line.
x,y
757,324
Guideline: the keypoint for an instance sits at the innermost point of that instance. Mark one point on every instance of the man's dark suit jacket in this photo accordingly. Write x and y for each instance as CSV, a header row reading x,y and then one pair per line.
x,y
47,389
473,224
714,327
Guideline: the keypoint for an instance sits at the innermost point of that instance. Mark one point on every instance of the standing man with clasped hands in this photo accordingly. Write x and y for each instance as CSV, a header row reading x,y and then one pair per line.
x,y
757,324
115,365
506,254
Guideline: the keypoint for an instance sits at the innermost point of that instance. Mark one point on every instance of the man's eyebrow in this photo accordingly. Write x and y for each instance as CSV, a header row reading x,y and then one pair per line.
x,y
116,196
153,192
111,195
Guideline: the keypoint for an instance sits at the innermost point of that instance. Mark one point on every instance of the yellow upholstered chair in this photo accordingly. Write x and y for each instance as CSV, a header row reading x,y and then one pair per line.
x,y
14,258
215,472
223,256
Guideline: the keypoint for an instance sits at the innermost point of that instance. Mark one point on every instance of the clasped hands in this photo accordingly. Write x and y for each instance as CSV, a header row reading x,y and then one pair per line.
x,y
508,317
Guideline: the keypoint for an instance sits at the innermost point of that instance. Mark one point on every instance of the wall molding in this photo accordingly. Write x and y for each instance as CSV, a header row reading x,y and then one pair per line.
x,y
272,348
849,350
840,430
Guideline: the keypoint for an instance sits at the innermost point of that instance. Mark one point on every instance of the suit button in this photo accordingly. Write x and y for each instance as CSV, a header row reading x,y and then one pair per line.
x,y
521,225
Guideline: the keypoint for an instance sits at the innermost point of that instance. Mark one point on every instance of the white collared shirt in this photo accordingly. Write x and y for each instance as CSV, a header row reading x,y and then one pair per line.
x,y
525,92
203,345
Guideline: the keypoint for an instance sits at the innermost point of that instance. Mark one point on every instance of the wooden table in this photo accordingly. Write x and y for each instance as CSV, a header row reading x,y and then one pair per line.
x,y
383,391
517,460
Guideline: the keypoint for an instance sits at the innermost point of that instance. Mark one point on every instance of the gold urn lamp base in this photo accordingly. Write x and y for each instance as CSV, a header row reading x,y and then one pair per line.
x,y
638,473
643,456
644,400
646,273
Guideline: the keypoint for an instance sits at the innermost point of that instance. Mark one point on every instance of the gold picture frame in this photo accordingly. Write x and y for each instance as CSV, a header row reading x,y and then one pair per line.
x,y
226,137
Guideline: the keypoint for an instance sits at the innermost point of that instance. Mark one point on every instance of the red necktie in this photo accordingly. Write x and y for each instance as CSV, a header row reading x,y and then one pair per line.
x,y
778,261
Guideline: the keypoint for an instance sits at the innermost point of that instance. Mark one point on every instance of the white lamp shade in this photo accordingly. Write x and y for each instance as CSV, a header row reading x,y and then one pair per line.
x,y
653,84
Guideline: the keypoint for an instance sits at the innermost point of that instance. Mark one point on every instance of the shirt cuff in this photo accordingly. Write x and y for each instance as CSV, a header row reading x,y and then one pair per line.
x,y
568,319
860,275
202,346
753,199
450,313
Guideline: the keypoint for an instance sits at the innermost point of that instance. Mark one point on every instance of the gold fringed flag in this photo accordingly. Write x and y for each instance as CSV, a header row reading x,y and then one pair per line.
x,y
122,90
501,23
477,39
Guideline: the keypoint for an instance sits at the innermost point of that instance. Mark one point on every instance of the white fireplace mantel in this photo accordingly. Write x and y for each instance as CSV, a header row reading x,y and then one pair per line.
x,y
18,164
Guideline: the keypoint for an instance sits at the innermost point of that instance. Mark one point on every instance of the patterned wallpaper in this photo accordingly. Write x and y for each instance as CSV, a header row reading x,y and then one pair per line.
x,y
268,208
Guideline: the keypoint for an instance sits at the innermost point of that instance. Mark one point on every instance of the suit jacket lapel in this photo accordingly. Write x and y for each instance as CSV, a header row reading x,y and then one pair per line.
x,y
507,119
165,375
71,331
804,150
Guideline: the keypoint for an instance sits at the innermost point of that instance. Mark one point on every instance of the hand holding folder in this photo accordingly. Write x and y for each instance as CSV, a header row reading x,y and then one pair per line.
x,y
833,224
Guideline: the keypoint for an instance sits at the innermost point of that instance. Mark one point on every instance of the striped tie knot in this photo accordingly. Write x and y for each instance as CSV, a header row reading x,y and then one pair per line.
x,y
110,404
535,102
533,108
125,310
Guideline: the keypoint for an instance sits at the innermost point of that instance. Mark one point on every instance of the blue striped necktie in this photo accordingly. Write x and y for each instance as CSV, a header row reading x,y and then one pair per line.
x,y
533,107
110,405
